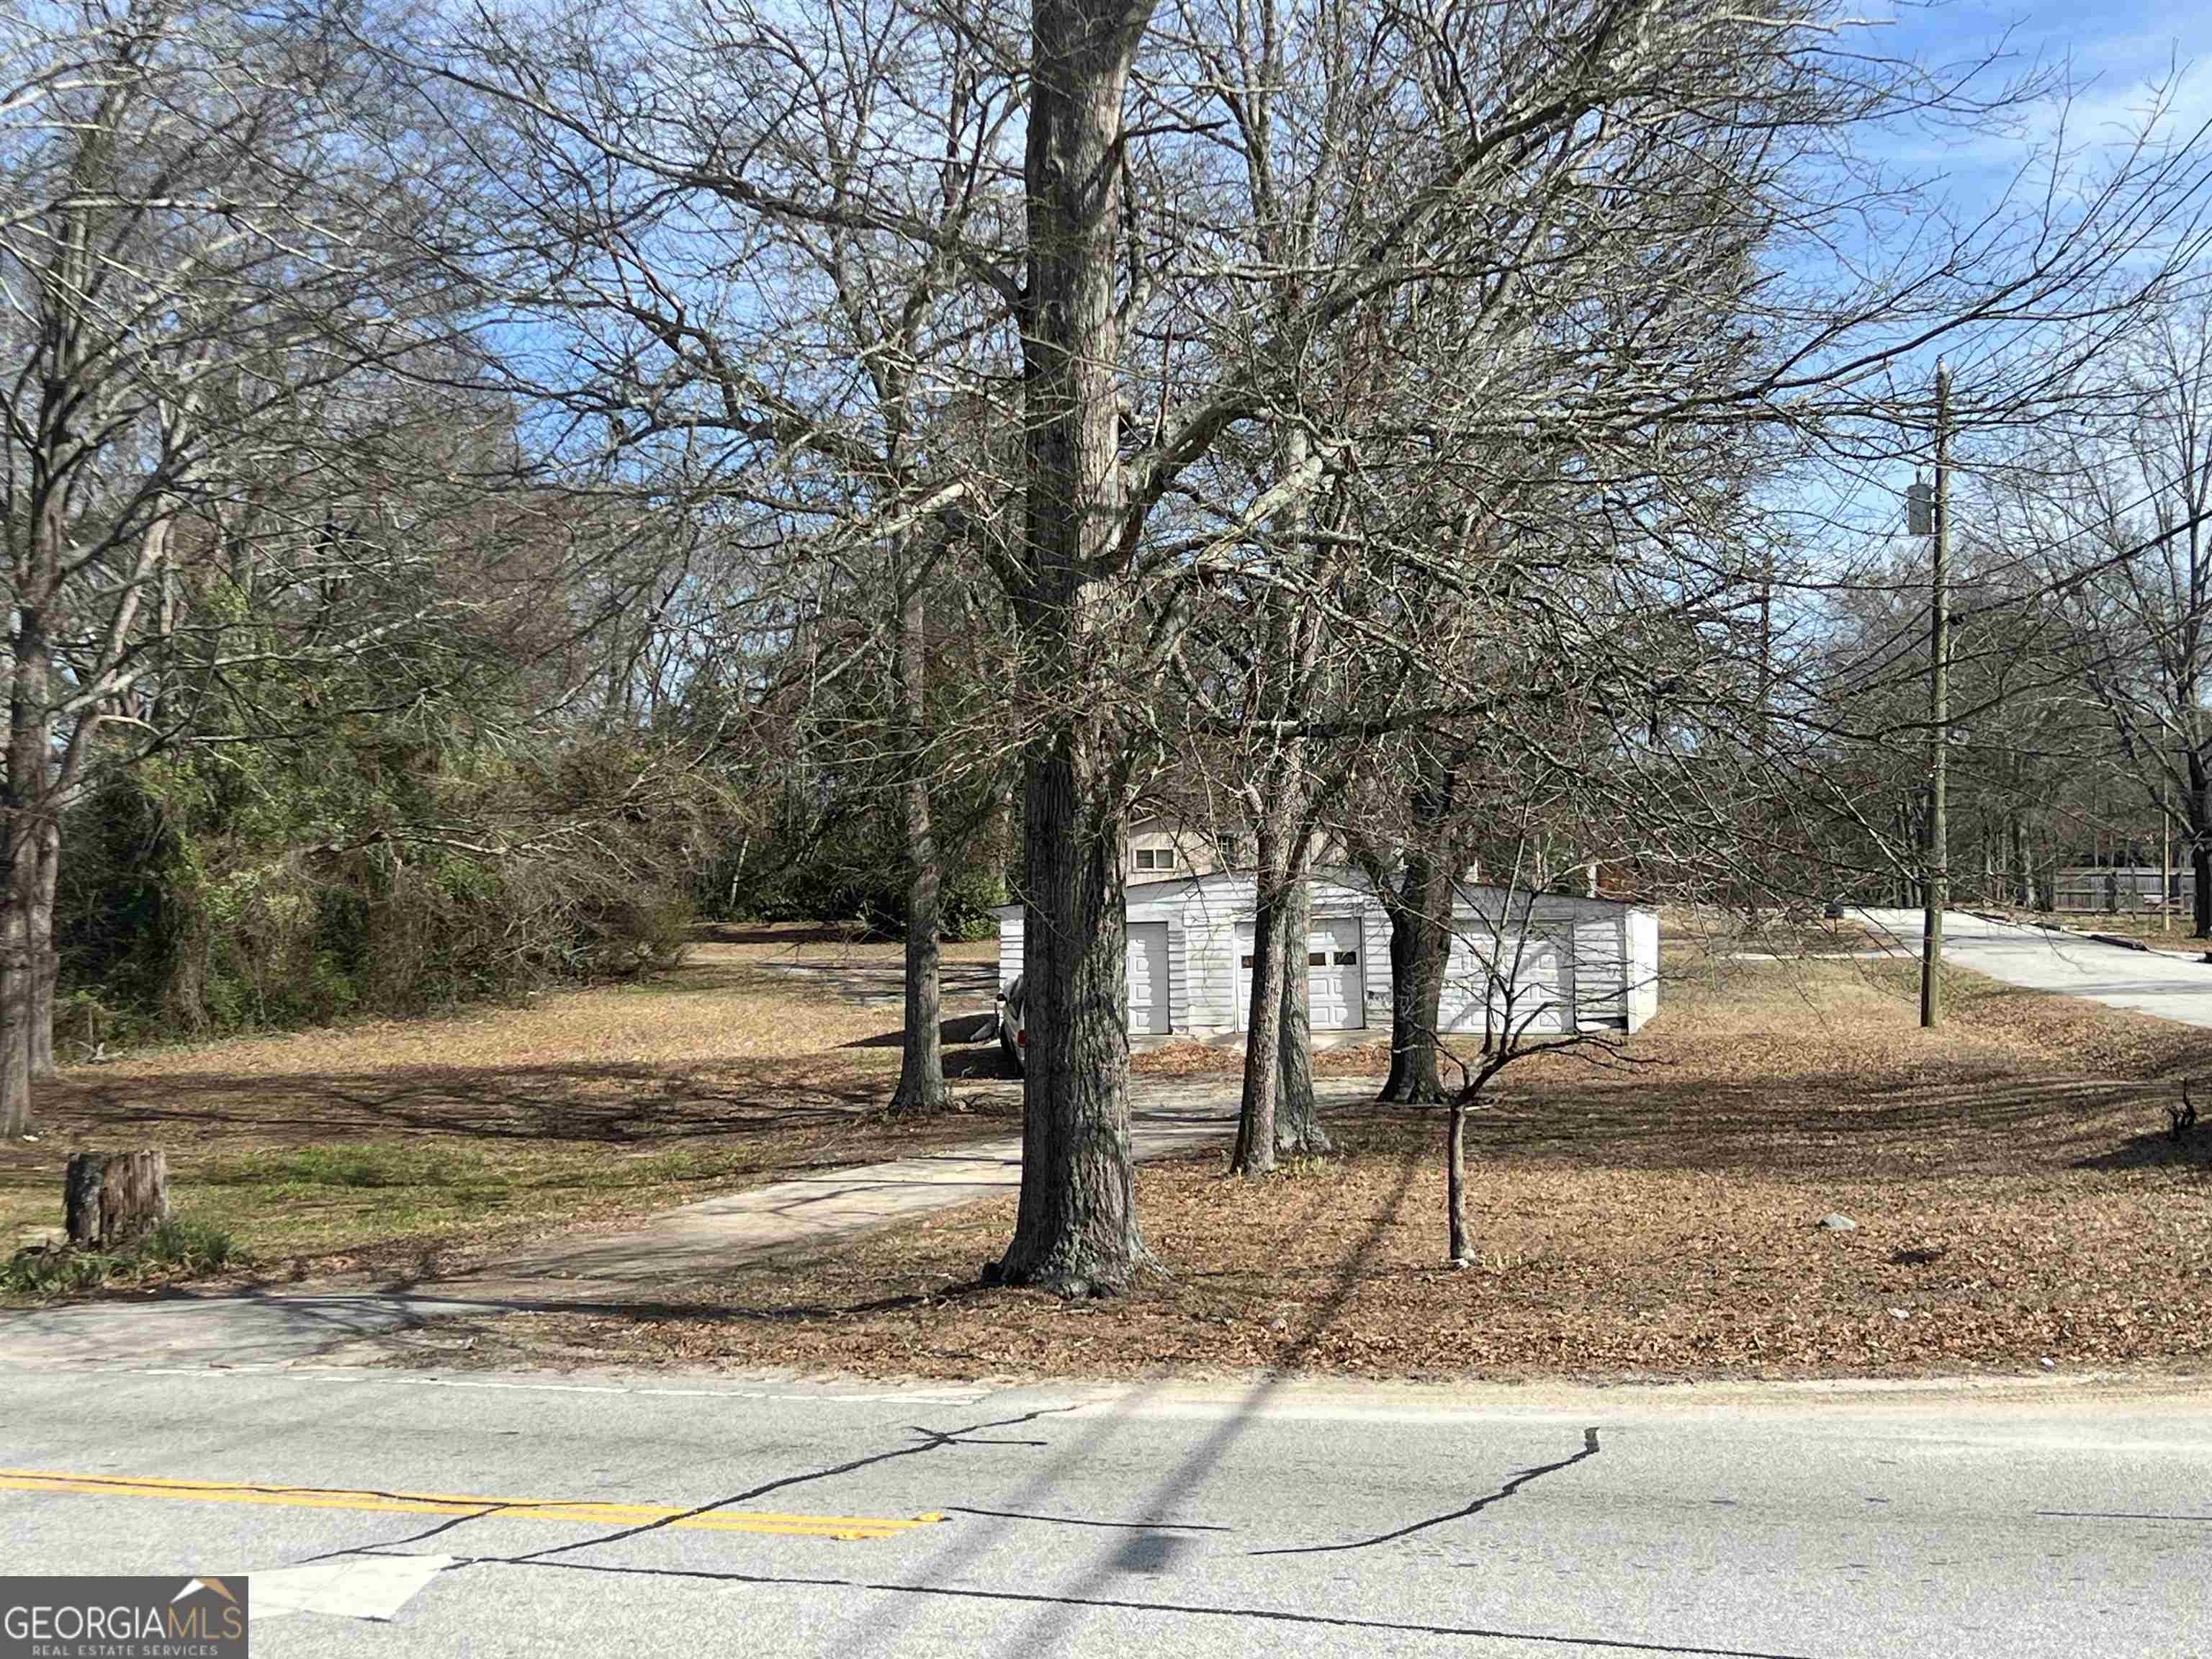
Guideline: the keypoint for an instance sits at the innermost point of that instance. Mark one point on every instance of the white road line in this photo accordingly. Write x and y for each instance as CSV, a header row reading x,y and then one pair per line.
x,y
356,1586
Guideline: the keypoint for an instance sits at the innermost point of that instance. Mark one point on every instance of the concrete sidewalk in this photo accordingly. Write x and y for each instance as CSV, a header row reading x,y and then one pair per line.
x,y
2171,987
636,1268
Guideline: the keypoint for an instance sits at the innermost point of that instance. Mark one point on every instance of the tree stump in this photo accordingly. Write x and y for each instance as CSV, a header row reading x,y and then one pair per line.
x,y
109,1197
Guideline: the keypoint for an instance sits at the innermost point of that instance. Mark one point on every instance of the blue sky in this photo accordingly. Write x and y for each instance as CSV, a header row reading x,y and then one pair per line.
x,y
2108,61
2111,50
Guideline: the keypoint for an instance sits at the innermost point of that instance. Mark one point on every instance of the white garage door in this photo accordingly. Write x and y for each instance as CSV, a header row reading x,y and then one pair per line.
x,y
1336,997
1335,992
1537,966
1148,978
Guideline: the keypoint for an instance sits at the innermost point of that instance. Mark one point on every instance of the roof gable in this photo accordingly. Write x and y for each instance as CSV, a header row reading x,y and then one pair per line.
x,y
1482,897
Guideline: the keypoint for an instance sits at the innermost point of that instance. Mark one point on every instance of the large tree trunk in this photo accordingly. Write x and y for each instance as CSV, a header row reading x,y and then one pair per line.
x,y
1278,933
1420,943
1299,1132
921,1055
1420,947
45,960
14,1013
24,812
1077,1230
2199,809
1254,1152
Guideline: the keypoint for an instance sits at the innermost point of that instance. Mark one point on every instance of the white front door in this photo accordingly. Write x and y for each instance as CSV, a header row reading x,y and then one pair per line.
x,y
1148,979
1336,997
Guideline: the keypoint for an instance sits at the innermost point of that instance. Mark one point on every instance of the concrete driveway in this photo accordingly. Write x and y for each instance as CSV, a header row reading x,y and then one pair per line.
x,y
2171,985
632,1268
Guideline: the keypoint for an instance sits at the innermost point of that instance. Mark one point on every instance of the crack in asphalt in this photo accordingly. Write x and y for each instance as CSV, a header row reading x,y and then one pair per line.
x,y
932,1440
2118,1515
1074,1521
1125,1604
1591,1448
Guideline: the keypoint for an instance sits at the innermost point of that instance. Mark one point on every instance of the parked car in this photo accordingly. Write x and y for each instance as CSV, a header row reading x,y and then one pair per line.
x,y
1012,1036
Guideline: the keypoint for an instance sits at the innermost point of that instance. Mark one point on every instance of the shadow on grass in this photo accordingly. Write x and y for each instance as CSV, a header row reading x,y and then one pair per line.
x,y
617,1103
1844,1128
2153,1149
961,1029
1839,1128
769,932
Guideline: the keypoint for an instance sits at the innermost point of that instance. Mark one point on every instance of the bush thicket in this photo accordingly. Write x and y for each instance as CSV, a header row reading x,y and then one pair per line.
x,y
282,885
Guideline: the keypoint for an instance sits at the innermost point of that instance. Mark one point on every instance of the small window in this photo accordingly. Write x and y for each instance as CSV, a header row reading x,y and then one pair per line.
x,y
1316,958
1155,858
1244,961
1347,958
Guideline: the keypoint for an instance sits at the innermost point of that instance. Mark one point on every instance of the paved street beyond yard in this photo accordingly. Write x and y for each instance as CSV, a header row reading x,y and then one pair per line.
x,y
2168,978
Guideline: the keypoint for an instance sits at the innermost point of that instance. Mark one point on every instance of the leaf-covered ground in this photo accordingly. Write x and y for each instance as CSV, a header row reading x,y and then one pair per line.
x,y
2017,1202
417,1145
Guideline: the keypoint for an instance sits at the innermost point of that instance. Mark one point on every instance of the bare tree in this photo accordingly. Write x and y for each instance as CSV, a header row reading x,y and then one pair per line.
x,y
1523,1015
193,254
2121,526
1600,232
781,289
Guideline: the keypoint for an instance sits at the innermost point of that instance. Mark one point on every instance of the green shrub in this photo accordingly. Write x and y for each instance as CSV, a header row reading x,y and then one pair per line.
x,y
213,893
196,1245
965,901
40,1275
181,1245
845,882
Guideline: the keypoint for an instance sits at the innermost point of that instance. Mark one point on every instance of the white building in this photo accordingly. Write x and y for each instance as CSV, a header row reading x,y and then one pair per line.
x,y
1161,847
1575,964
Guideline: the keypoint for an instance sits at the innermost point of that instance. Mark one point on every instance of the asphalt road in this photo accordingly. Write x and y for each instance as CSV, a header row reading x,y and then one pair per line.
x,y
2168,983
592,1516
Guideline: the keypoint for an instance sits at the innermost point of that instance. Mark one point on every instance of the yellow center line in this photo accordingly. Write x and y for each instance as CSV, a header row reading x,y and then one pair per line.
x,y
411,1503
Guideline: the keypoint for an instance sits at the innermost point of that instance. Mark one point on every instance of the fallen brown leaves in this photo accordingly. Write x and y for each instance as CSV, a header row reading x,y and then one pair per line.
x,y
1185,1058
1653,1216
422,1143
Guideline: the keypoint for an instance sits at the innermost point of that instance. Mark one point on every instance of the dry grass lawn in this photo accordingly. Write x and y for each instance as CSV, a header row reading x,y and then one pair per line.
x,y
770,1050
2016,1196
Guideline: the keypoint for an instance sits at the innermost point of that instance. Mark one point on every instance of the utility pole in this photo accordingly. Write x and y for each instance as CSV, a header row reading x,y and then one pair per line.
x,y
1936,890
2165,862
